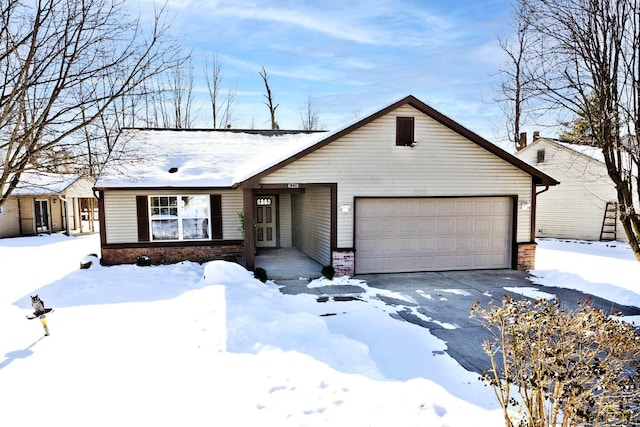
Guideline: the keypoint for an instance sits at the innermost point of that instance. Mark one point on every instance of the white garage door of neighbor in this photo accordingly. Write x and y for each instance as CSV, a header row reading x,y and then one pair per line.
x,y
404,235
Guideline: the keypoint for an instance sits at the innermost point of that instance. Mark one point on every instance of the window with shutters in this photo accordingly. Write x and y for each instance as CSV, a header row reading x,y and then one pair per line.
x,y
180,217
405,131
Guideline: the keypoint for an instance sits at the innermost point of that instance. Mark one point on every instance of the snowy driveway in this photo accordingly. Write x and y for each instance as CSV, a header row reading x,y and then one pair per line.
x,y
441,301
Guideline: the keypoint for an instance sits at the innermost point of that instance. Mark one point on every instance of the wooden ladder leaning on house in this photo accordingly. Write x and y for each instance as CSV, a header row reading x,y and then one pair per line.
x,y
609,222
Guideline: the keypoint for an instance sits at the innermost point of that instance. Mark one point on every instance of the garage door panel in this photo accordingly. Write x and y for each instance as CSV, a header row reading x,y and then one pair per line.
x,y
426,226
408,225
444,244
401,235
445,226
464,225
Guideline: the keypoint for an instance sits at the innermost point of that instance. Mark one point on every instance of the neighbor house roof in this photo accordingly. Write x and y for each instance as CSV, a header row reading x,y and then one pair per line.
x,y
228,158
593,153
44,183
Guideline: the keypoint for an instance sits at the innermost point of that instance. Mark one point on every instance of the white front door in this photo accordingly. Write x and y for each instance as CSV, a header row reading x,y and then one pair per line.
x,y
265,222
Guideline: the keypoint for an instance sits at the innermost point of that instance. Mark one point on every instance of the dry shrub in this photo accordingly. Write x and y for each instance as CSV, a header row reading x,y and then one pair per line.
x,y
557,367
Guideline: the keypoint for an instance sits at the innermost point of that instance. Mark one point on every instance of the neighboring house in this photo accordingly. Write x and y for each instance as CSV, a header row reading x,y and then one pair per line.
x,y
575,209
403,189
49,203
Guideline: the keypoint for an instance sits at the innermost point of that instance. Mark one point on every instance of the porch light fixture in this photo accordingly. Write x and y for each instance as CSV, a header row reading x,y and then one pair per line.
x,y
345,208
525,206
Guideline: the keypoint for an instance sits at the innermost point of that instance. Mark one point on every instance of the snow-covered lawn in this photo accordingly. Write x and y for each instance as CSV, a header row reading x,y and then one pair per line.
x,y
200,345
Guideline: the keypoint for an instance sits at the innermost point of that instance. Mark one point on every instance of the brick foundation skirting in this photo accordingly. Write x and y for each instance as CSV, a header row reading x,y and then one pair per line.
x,y
171,255
343,263
526,256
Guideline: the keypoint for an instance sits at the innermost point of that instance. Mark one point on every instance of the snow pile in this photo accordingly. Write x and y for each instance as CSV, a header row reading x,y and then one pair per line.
x,y
189,344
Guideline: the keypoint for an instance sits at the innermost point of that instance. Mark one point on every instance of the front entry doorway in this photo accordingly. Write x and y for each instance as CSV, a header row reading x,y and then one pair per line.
x,y
42,216
265,216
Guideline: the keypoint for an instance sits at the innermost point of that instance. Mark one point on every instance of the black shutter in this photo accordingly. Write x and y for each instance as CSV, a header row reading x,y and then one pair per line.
x,y
404,131
216,216
142,211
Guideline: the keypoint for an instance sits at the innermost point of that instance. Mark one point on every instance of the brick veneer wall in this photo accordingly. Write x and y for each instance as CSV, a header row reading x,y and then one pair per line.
x,y
170,255
526,256
343,263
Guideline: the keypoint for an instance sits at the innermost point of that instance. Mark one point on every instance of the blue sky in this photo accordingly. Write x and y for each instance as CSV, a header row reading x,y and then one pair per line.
x,y
354,56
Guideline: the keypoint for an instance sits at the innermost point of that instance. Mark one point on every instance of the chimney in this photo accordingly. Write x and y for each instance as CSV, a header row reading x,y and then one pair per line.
x,y
536,135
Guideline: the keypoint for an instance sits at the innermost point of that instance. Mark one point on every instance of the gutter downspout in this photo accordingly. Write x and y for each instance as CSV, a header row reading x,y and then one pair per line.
x,y
546,188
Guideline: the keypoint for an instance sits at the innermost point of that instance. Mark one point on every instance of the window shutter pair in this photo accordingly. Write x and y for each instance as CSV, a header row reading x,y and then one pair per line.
x,y
142,212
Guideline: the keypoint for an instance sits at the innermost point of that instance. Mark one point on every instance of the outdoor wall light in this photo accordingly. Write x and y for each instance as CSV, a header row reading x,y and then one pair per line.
x,y
345,208
525,206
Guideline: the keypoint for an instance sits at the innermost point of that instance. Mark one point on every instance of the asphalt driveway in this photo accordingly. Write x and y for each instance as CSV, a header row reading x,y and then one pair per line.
x,y
441,302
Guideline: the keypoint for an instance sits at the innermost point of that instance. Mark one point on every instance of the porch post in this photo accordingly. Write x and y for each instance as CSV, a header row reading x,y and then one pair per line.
x,y
249,238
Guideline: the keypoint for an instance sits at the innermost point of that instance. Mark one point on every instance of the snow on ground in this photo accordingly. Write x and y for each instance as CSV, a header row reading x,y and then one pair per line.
x,y
191,344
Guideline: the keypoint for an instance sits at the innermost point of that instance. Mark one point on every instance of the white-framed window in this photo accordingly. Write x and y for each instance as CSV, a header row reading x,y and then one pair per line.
x,y
179,217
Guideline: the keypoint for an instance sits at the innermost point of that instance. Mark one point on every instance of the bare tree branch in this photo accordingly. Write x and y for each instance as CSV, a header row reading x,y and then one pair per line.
x,y
269,99
64,65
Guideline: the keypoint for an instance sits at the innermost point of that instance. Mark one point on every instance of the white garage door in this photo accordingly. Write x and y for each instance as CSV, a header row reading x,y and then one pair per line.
x,y
403,235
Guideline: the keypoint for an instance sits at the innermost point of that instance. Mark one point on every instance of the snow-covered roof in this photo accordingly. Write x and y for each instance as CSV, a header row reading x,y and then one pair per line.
x,y
197,158
43,183
592,152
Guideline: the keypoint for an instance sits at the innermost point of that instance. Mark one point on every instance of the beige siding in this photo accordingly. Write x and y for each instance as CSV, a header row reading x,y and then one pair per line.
x,y
575,208
121,222
9,218
312,223
366,162
81,188
284,221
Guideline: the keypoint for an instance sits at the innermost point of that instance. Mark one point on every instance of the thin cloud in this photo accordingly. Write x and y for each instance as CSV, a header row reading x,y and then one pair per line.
x,y
363,23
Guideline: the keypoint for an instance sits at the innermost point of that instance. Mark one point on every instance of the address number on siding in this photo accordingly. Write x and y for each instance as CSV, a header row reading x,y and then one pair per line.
x,y
293,185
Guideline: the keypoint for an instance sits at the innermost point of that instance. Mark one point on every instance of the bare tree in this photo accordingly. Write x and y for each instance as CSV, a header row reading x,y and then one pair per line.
x,y
63,63
221,109
178,86
515,92
588,63
309,117
269,99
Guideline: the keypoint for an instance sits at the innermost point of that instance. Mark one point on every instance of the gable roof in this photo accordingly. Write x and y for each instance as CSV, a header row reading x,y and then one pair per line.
x,y
594,153
230,158
540,178
44,183
588,151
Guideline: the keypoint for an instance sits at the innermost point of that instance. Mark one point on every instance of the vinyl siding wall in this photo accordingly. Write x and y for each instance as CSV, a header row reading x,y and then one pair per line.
x,y
9,218
284,220
312,223
367,162
575,208
120,213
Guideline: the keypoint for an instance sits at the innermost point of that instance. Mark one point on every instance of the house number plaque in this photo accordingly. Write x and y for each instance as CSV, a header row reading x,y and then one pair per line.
x,y
293,185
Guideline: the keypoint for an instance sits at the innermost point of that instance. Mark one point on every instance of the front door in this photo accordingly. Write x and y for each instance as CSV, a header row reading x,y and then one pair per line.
x,y
42,216
265,222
